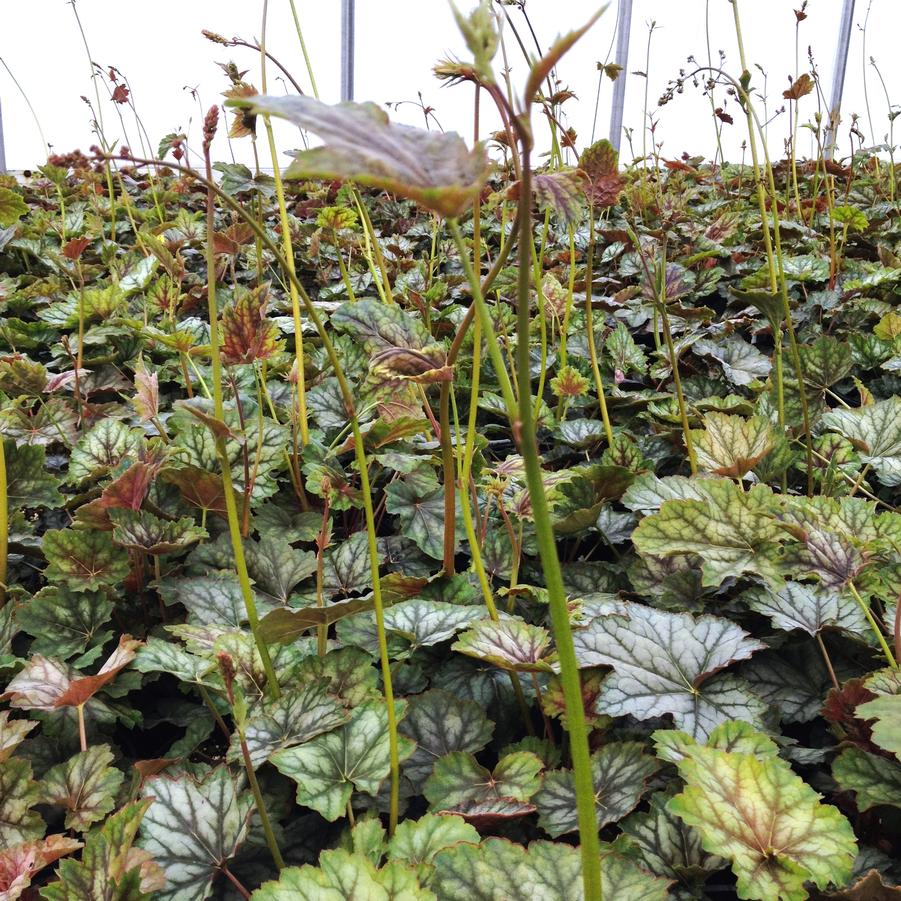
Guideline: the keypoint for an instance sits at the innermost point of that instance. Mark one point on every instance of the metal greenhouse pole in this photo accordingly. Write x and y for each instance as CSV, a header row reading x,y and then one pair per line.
x,y
2,151
348,15
838,74
623,32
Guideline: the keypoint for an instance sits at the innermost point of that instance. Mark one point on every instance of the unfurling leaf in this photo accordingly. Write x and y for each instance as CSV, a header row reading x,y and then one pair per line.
x,y
433,168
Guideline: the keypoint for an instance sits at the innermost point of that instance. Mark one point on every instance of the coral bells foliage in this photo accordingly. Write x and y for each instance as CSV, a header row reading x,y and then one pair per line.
x,y
279,623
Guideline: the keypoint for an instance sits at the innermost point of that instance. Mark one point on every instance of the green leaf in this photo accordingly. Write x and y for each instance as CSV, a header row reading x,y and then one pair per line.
x,y
28,483
732,736
18,794
798,605
423,622
733,532
499,870
441,723
620,772
667,846
416,842
12,733
296,717
12,207
349,672
420,510
143,531
102,449
192,828
875,430
84,561
109,868
886,730
331,767
85,786
346,566
511,644
458,782
826,362
343,876
65,622
159,656
875,780
730,445
766,821
664,664
285,625
431,167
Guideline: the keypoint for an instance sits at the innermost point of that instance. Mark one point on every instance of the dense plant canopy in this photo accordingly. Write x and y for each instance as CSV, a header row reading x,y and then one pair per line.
x,y
289,467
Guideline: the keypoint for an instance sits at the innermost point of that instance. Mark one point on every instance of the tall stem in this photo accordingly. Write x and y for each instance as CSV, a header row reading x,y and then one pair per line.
x,y
234,525
4,525
544,533
289,250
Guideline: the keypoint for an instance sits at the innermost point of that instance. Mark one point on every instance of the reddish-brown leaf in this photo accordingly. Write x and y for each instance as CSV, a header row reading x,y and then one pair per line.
x,y
247,334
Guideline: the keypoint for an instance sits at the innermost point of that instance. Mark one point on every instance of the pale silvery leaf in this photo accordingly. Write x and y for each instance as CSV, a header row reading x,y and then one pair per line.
x,y
875,430
296,717
663,663
798,605
742,363
192,828
424,622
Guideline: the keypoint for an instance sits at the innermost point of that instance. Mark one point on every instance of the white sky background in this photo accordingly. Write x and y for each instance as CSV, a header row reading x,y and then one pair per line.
x,y
160,49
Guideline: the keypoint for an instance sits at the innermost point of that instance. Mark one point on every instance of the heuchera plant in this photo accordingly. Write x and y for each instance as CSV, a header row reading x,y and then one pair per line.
x,y
425,523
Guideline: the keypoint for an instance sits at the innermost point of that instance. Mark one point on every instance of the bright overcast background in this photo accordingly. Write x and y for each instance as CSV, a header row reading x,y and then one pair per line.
x,y
160,49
